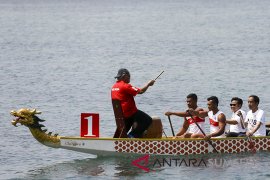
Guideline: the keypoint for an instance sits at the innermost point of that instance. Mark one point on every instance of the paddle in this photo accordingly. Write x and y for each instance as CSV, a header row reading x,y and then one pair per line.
x,y
171,125
251,145
209,141
159,75
164,133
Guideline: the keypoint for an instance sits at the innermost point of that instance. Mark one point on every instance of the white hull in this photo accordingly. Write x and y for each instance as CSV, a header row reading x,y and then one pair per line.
x,y
164,146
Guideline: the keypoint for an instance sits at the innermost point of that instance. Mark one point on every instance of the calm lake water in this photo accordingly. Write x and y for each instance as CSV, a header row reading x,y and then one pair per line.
x,y
60,56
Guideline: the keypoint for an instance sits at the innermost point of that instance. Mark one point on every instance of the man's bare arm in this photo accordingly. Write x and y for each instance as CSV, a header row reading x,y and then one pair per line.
x,y
231,121
200,113
254,130
183,129
180,114
146,86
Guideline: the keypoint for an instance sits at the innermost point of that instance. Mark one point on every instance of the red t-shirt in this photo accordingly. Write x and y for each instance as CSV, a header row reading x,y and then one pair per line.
x,y
125,93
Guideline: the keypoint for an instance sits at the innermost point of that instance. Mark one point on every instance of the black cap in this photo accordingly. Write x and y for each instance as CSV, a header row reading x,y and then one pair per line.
x,y
122,72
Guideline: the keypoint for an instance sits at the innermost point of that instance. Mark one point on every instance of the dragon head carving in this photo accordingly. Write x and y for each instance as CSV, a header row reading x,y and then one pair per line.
x,y
26,117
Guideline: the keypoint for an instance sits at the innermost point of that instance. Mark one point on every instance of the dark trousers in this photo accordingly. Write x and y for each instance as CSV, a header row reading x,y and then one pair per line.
x,y
267,132
234,134
139,122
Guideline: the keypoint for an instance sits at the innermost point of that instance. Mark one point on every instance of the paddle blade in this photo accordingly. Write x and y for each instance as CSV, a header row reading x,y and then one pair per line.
x,y
251,145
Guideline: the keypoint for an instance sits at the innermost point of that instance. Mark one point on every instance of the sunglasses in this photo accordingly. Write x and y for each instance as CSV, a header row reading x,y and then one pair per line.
x,y
232,104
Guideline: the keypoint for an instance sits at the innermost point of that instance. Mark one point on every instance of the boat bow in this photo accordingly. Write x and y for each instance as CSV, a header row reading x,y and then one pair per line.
x,y
29,118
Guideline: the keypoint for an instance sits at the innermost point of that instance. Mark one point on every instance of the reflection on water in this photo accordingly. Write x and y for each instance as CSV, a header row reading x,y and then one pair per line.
x,y
107,167
100,167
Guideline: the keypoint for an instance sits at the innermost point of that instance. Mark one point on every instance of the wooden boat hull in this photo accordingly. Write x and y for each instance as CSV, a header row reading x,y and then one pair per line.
x,y
163,146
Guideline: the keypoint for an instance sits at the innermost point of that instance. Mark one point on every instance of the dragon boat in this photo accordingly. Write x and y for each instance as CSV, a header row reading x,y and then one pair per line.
x,y
152,143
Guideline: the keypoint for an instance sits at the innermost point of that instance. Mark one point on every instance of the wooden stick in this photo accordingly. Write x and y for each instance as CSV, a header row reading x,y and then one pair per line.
x,y
251,145
171,126
209,141
164,133
159,75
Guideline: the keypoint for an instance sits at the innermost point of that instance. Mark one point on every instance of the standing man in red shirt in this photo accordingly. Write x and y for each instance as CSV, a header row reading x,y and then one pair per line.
x,y
125,92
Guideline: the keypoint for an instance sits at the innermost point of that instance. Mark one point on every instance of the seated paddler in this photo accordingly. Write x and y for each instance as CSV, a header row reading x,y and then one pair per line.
x,y
255,119
123,91
216,117
190,128
237,124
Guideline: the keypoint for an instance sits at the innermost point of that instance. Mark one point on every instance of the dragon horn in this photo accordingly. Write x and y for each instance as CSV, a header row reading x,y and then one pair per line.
x,y
38,112
34,111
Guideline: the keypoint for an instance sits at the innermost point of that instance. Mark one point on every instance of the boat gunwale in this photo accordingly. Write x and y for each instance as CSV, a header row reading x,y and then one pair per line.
x,y
155,139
